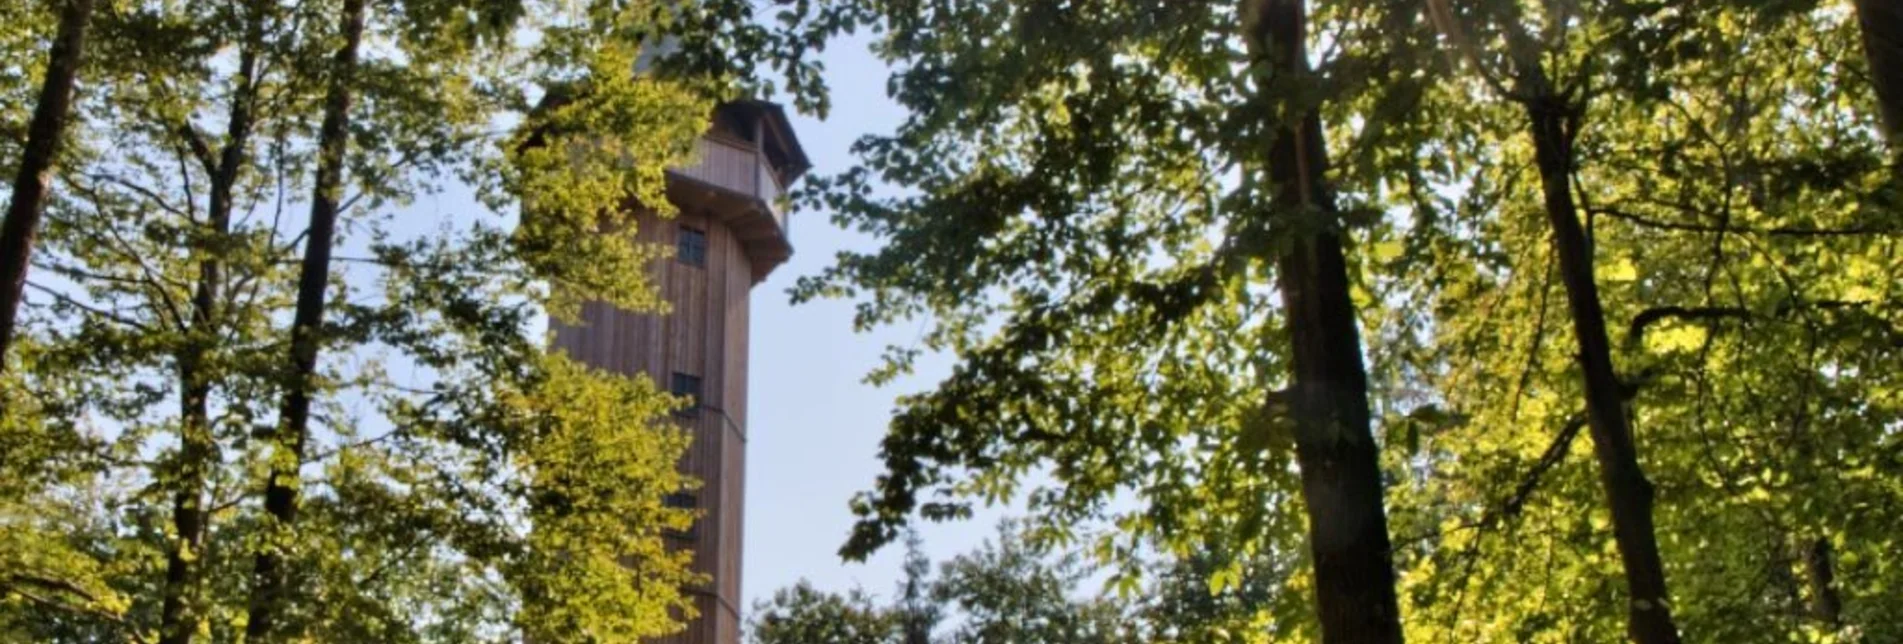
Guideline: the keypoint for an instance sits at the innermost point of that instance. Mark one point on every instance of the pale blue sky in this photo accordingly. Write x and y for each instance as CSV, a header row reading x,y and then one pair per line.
x,y
815,426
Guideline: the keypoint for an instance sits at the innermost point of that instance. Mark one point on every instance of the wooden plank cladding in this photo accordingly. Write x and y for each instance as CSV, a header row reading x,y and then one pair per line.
x,y
730,232
739,167
702,339
726,164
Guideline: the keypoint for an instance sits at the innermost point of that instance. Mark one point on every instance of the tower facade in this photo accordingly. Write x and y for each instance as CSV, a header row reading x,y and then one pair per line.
x,y
730,233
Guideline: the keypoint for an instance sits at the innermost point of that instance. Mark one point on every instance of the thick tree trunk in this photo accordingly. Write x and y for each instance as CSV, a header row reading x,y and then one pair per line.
x,y
198,447
281,491
36,163
1335,447
1882,25
1628,493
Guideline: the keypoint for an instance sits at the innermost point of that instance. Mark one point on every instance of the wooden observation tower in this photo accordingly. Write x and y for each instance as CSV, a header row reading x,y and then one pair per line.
x,y
730,233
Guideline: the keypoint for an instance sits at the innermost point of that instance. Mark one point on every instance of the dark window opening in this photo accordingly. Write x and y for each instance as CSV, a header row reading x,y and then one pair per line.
x,y
776,155
688,387
691,247
682,500
734,124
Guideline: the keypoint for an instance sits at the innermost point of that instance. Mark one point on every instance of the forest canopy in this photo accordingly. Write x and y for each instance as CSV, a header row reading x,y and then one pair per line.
x,y
1331,320
1497,320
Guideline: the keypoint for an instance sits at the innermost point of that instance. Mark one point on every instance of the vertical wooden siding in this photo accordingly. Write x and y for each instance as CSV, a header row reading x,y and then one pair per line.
x,y
726,164
705,335
737,166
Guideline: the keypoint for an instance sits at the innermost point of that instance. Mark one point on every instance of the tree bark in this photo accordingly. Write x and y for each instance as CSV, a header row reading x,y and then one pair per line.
x,y
1821,573
1882,24
281,491
198,448
1628,493
1335,447
30,183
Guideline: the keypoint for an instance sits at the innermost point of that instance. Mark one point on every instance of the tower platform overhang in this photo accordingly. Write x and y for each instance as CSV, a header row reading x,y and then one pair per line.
x,y
757,223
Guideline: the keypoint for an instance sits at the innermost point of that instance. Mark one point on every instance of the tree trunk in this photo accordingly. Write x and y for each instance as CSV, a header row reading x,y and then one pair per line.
x,y
1335,448
1882,25
1826,605
198,448
36,163
281,491
1628,493
178,617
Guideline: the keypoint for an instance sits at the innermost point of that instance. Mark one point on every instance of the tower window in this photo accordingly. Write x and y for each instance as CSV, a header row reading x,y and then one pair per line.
x,y
688,387
691,247
682,500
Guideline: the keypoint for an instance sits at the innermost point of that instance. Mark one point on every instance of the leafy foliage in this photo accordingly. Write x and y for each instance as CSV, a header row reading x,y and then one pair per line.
x,y
462,483
804,614
1074,226
1006,591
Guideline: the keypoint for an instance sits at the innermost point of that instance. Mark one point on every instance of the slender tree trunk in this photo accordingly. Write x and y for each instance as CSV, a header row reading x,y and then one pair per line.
x,y
36,164
1882,25
198,448
1819,570
281,491
1628,493
179,619
1335,448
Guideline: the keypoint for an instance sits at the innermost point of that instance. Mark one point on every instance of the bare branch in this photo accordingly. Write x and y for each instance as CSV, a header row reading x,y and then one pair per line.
x,y
68,300
1778,231
1635,333
148,193
196,143
1554,454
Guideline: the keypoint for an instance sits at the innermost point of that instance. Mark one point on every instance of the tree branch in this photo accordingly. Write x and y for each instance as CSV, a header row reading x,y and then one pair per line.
x,y
1554,454
1635,333
68,300
1778,231
142,191
14,582
200,150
